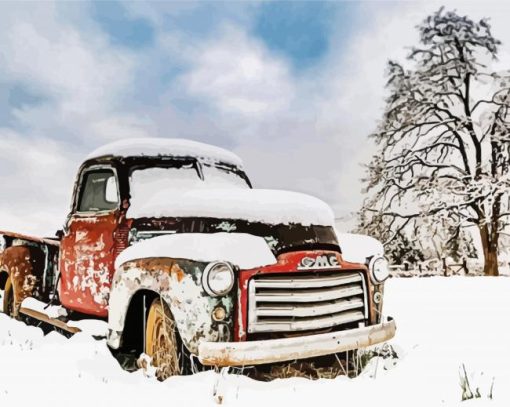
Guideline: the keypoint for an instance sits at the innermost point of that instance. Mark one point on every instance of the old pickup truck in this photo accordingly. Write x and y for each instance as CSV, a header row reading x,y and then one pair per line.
x,y
168,243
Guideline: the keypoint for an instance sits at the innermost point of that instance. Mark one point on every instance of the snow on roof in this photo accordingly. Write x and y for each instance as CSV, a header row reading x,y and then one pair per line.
x,y
253,205
244,250
356,248
135,147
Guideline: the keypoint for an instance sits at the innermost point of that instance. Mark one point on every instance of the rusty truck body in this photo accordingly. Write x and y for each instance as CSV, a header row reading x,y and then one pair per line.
x,y
168,242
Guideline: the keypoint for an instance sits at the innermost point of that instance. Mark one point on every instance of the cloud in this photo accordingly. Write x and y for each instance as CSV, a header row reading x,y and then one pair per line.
x,y
32,173
235,74
80,77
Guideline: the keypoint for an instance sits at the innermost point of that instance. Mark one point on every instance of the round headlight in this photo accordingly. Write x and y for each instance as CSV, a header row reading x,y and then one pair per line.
x,y
379,269
218,279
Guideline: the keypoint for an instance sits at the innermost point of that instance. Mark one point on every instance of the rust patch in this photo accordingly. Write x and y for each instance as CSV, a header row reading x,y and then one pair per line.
x,y
155,264
177,273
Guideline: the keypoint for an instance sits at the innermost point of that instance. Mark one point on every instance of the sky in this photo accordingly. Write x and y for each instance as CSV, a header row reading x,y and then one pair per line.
x,y
294,88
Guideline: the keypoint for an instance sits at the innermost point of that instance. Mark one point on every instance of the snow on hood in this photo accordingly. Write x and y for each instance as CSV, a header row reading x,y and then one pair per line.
x,y
253,205
136,147
242,249
356,248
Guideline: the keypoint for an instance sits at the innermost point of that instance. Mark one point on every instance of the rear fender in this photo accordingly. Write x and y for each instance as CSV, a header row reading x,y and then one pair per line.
x,y
25,267
178,282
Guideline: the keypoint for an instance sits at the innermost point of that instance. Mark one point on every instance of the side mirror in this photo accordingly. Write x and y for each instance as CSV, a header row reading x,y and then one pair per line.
x,y
59,234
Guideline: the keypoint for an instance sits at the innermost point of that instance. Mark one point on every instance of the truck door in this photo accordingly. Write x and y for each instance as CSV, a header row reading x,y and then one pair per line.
x,y
88,246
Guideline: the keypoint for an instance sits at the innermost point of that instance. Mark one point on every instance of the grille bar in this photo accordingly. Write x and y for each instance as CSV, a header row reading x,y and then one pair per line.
x,y
307,324
307,281
313,295
306,310
305,301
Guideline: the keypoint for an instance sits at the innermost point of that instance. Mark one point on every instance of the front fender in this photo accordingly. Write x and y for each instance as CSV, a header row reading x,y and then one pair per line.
x,y
178,282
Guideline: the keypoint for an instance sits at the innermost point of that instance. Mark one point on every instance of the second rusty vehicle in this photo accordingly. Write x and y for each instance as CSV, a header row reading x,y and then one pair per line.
x,y
168,243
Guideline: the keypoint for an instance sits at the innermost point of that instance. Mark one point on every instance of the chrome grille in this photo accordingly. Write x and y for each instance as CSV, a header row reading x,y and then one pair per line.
x,y
305,301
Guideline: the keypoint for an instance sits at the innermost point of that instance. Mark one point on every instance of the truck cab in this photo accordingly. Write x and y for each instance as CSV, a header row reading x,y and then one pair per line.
x,y
168,242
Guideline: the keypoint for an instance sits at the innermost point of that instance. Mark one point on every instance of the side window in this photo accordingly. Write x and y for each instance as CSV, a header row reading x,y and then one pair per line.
x,y
98,191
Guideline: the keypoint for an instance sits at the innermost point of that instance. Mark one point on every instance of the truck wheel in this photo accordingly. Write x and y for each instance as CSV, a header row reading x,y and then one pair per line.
x,y
161,341
8,303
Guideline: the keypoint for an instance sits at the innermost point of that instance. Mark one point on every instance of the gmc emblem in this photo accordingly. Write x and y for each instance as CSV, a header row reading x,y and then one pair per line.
x,y
320,262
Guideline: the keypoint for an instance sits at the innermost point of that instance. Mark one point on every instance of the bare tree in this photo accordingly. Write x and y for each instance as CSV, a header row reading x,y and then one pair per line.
x,y
444,140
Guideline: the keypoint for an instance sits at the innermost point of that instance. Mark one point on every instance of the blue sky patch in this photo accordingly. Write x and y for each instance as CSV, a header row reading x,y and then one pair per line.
x,y
122,28
205,17
20,96
301,30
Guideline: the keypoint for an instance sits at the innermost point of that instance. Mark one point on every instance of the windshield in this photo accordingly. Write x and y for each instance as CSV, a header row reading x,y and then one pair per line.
x,y
147,181
219,177
280,238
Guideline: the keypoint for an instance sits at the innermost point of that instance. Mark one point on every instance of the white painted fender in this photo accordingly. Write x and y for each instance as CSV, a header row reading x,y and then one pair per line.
x,y
357,248
191,307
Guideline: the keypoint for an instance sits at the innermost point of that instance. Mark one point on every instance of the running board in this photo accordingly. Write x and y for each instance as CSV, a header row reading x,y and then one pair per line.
x,y
45,318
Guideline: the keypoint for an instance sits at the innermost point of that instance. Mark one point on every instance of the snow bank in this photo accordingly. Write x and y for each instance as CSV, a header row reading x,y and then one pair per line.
x,y
442,324
93,327
166,147
246,251
356,248
254,205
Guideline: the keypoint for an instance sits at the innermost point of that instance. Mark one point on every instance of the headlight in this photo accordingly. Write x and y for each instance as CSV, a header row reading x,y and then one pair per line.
x,y
218,279
379,269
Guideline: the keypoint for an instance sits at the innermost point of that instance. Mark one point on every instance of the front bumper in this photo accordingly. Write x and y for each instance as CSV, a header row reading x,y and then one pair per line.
x,y
301,347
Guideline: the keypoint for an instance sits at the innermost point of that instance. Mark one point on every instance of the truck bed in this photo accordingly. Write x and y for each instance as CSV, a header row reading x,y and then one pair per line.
x,y
46,240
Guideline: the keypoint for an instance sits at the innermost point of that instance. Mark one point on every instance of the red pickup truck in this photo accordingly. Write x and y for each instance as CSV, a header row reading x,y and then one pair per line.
x,y
168,242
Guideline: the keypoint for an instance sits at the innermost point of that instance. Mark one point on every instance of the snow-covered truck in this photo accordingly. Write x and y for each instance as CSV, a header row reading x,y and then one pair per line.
x,y
167,241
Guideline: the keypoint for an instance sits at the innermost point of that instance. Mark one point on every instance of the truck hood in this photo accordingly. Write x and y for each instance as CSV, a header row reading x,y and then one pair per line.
x,y
252,205
244,250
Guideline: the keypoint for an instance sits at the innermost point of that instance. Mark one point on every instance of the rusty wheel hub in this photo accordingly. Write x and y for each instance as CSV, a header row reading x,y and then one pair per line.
x,y
161,341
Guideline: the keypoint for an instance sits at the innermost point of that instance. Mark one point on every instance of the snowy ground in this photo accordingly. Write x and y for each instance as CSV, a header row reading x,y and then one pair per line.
x,y
442,324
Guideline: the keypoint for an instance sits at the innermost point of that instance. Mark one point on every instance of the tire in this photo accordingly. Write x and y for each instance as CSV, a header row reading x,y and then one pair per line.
x,y
8,303
162,342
